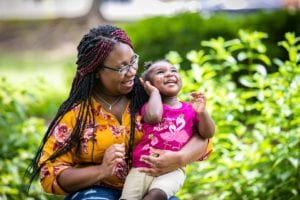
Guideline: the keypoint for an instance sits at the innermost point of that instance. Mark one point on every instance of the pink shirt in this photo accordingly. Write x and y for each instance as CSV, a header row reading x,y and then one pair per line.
x,y
172,133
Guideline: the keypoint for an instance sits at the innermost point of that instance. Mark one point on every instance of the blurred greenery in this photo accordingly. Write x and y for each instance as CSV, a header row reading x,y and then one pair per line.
x,y
154,37
49,79
31,89
256,153
252,96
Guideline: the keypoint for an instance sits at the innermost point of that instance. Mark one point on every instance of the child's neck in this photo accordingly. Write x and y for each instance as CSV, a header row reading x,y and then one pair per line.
x,y
172,102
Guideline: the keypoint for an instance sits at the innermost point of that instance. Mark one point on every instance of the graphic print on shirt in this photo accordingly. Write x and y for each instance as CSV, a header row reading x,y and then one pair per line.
x,y
175,135
153,141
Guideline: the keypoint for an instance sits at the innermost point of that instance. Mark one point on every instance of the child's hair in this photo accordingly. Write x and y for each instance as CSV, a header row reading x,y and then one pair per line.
x,y
148,65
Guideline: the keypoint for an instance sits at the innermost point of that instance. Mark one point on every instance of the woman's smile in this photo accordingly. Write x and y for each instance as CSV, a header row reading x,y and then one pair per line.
x,y
127,84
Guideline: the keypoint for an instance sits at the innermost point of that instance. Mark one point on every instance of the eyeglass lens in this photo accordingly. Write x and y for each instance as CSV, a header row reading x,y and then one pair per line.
x,y
126,68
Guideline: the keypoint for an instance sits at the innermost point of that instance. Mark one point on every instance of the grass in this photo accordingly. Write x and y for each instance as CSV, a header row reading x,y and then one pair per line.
x,y
21,68
47,76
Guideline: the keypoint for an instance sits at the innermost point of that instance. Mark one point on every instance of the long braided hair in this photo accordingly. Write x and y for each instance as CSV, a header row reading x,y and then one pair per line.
x,y
93,49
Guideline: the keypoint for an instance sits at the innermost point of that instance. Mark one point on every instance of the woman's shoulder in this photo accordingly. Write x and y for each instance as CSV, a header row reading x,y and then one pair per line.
x,y
72,111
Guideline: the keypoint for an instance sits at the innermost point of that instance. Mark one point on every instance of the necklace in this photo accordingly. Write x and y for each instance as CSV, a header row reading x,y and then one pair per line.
x,y
108,104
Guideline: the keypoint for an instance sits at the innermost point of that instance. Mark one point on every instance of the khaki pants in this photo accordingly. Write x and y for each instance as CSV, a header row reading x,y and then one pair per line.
x,y
137,184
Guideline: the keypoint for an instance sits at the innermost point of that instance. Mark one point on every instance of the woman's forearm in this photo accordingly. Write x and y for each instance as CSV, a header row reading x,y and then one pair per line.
x,y
193,150
74,179
167,160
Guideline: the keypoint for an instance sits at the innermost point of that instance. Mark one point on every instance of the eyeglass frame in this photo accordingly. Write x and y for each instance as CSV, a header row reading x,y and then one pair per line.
x,y
126,68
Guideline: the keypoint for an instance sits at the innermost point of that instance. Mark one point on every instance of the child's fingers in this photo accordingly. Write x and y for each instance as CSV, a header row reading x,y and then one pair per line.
x,y
196,94
198,99
142,82
193,94
148,83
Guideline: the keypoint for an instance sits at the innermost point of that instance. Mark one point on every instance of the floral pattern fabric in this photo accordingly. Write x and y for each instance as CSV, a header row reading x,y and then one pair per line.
x,y
107,130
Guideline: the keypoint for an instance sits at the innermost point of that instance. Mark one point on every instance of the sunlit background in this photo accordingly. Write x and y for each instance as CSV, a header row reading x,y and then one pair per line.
x,y
243,53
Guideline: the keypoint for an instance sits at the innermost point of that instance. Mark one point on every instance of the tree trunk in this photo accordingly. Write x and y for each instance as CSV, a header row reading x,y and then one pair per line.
x,y
93,16
94,10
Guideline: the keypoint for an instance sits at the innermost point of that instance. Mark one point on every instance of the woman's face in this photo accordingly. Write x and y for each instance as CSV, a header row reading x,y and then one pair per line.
x,y
165,77
114,81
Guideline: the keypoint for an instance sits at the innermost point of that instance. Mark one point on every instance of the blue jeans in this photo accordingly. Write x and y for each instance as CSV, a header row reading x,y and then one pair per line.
x,y
99,193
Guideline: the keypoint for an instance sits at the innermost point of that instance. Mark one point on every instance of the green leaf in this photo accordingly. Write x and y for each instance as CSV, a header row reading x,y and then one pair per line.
x,y
174,57
261,70
264,58
246,81
294,162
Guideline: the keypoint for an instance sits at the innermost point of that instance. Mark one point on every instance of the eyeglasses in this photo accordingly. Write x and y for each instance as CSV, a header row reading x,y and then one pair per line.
x,y
124,69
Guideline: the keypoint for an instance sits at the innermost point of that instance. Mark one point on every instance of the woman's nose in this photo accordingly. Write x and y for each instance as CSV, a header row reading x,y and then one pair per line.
x,y
131,71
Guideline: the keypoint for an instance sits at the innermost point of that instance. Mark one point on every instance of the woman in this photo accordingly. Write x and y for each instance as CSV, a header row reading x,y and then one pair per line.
x,y
87,148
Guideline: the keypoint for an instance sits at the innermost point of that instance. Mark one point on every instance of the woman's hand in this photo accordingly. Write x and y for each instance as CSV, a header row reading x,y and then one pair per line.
x,y
161,162
75,178
113,155
164,161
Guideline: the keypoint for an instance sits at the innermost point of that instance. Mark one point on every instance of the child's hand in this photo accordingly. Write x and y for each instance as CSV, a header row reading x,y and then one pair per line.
x,y
149,88
198,101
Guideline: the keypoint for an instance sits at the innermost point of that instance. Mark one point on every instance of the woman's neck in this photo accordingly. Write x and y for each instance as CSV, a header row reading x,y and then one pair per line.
x,y
105,95
110,102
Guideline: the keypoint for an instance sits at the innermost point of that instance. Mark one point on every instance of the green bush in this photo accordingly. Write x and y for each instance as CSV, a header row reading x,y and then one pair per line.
x,y
154,37
252,96
20,136
256,145
46,79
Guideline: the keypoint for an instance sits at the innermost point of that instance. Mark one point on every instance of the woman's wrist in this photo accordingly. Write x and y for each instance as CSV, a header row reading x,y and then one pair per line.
x,y
193,150
101,172
182,158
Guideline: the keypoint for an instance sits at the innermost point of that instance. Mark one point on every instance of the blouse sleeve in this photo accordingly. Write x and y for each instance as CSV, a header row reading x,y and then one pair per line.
x,y
209,150
52,169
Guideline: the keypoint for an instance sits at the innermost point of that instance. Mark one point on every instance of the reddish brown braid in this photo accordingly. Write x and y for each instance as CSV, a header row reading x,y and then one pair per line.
x,y
122,36
101,51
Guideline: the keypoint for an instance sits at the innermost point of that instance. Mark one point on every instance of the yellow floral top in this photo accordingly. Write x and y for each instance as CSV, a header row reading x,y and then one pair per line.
x,y
108,131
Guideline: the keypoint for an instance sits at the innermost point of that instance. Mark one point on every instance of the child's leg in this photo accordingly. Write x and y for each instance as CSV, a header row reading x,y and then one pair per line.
x,y
156,194
136,185
169,183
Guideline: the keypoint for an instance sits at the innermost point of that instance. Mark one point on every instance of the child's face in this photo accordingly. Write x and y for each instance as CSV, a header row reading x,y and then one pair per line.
x,y
165,77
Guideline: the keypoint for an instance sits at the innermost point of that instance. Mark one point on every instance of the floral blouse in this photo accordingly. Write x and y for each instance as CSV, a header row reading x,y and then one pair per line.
x,y
108,131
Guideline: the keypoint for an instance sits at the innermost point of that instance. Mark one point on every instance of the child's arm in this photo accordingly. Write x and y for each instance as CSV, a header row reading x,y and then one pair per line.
x,y
206,126
154,108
